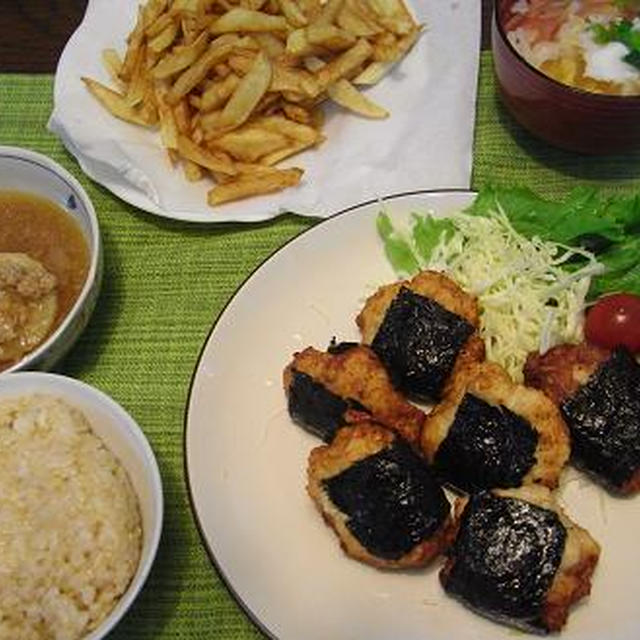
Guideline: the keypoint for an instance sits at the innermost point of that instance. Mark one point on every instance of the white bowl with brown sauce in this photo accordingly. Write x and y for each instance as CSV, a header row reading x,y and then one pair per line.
x,y
83,493
50,260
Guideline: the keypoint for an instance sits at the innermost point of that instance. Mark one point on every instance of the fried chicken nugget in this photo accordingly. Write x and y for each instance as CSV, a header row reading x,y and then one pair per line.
x,y
380,498
597,393
324,389
518,559
421,329
563,369
491,432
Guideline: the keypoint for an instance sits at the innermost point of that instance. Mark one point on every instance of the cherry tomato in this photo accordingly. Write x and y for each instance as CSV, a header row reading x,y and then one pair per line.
x,y
615,320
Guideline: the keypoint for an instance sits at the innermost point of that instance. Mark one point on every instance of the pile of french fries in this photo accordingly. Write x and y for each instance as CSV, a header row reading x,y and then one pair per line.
x,y
237,86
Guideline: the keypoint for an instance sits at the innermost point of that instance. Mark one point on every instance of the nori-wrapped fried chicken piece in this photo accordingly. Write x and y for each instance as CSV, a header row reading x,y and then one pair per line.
x,y
491,432
327,390
421,329
518,559
598,392
380,497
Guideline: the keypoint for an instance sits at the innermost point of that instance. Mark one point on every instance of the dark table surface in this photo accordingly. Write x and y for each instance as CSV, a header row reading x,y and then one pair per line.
x,y
34,32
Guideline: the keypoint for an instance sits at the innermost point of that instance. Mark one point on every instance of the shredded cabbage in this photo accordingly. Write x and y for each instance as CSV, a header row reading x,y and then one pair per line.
x,y
529,301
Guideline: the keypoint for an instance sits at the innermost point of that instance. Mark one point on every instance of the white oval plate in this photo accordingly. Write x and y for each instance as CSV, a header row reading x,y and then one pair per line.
x,y
430,95
246,463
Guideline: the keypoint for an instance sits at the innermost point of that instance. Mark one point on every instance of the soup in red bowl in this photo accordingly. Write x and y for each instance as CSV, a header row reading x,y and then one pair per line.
x,y
569,70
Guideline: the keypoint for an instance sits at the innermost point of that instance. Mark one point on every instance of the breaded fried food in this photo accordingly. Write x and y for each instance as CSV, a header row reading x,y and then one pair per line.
x,y
563,369
518,559
490,432
324,389
598,394
421,329
28,305
380,498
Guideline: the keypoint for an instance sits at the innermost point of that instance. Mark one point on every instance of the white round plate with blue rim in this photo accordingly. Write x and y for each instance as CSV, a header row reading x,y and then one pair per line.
x,y
246,463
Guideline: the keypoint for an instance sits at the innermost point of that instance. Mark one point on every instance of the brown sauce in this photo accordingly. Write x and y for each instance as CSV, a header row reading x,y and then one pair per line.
x,y
45,232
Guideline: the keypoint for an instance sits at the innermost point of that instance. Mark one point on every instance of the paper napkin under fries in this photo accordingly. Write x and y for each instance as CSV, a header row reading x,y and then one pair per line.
x,y
425,142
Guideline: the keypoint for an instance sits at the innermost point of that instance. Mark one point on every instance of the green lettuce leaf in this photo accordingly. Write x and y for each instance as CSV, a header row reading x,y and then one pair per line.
x,y
563,221
609,227
427,232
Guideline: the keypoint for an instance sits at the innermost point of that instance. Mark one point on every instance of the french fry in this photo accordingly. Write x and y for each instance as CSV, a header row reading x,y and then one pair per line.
x,y
298,45
181,114
329,12
351,21
329,37
191,151
240,63
346,95
115,103
113,64
286,79
248,93
235,87
294,130
134,41
372,73
192,171
211,124
151,12
198,70
311,9
247,20
296,113
252,168
393,15
282,154
158,25
180,58
249,144
273,46
164,38
137,83
342,65
218,92
253,185
293,13
168,124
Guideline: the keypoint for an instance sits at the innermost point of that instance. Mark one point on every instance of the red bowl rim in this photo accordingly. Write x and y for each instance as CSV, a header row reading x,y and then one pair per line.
x,y
605,97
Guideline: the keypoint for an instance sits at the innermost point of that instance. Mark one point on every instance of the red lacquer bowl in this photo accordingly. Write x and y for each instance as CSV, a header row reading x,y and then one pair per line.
x,y
566,117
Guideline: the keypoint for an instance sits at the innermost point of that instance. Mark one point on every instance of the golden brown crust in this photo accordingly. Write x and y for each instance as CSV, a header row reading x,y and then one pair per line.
x,y
356,373
563,369
430,284
491,383
569,585
350,445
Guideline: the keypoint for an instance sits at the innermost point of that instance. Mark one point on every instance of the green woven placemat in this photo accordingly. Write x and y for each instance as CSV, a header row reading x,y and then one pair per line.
x,y
507,154
164,284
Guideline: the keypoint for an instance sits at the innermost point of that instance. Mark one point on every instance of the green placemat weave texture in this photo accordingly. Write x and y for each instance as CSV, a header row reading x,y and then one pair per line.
x,y
164,284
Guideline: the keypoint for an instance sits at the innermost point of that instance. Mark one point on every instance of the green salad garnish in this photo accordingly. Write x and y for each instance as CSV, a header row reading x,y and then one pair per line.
x,y
620,31
608,227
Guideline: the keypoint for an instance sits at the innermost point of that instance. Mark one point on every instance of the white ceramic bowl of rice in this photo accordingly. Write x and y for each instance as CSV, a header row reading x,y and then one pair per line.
x,y
81,508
